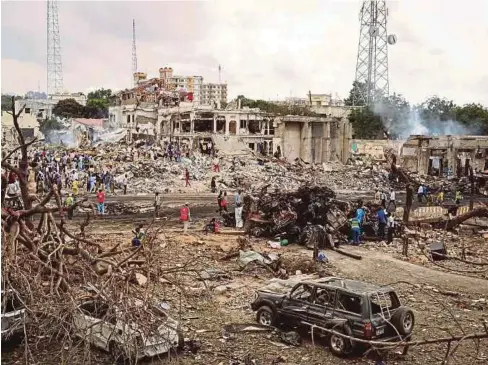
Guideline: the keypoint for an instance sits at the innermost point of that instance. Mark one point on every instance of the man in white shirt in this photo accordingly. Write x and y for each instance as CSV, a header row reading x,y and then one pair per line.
x,y
420,193
392,199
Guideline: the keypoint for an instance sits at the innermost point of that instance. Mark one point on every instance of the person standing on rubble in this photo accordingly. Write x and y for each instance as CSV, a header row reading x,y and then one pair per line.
x,y
219,201
238,209
392,199
360,214
458,197
223,202
101,202
213,185
187,178
355,231
440,197
124,183
381,222
185,217
383,199
68,203
420,193
216,166
157,204
391,227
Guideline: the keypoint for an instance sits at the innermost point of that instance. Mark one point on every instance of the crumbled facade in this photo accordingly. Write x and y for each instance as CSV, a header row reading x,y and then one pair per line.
x,y
445,155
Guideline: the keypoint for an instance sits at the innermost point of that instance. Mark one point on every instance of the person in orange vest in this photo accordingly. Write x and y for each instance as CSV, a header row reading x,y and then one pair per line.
x,y
185,217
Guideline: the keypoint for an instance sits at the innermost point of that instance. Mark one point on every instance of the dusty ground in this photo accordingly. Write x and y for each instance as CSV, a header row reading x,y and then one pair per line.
x,y
207,306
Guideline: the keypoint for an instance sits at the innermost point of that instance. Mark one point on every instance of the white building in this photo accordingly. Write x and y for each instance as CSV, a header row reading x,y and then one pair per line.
x,y
27,122
213,93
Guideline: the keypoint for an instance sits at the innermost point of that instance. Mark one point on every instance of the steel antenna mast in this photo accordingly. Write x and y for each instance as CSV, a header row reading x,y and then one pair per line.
x,y
372,57
54,64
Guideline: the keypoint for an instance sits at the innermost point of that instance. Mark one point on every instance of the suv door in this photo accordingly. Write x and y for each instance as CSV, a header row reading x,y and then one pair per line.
x,y
296,304
322,306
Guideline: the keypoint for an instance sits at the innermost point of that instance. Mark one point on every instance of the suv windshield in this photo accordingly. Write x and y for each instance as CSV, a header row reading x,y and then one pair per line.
x,y
383,303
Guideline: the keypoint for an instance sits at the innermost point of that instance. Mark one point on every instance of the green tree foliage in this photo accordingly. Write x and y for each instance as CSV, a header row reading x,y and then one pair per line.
x,y
7,102
276,109
357,89
474,116
69,108
366,124
436,108
98,102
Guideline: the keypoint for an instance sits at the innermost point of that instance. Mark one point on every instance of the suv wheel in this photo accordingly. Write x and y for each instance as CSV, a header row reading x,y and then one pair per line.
x,y
403,320
338,345
265,316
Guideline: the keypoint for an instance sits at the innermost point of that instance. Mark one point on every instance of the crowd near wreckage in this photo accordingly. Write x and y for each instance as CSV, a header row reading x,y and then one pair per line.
x,y
59,281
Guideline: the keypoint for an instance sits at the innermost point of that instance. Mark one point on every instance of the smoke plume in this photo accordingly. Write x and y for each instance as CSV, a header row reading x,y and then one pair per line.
x,y
404,122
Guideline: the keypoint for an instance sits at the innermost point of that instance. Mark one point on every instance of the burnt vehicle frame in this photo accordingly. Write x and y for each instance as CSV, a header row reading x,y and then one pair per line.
x,y
337,308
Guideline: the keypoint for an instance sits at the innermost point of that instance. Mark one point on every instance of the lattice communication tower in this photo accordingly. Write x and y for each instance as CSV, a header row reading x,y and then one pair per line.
x,y
54,64
134,50
372,58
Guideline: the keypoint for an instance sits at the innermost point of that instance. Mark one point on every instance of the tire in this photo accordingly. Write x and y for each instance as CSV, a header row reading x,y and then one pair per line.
x,y
339,346
403,320
265,316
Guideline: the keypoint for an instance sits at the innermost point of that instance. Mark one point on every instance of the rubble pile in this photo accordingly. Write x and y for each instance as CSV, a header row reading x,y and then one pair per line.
x,y
359,174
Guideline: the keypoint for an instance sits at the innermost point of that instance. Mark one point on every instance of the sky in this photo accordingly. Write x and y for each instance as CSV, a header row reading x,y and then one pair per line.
x,y
268,49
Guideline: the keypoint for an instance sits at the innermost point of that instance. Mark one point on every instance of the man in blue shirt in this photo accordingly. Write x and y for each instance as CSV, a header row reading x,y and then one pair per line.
x,y
381,222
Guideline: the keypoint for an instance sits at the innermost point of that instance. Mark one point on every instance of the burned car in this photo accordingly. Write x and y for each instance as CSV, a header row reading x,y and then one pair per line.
x,y
353,308
13,315
104,327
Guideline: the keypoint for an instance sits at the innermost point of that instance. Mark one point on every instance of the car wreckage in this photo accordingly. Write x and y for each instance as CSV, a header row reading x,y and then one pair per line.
x,y
337,308
98,323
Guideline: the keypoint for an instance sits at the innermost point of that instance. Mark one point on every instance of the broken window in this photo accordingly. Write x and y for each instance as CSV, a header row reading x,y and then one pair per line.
x,y
302,292
254,127
383,302
221,124
27,110
99,310
349,303
324,296
243,124
251,146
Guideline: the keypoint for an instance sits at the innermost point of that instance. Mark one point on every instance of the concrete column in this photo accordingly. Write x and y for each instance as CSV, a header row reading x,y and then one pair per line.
x,y
215,124
238,124
305,143
192,124
226,125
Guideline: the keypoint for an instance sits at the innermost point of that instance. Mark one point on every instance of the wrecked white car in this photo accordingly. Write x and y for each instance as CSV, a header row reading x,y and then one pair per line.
x,y
100,325
13,315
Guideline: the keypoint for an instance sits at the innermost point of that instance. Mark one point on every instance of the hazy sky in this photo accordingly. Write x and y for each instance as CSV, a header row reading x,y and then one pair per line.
x,y
266,48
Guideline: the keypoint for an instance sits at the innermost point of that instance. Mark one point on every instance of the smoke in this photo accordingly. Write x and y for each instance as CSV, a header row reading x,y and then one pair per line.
x,y
63,137
406,121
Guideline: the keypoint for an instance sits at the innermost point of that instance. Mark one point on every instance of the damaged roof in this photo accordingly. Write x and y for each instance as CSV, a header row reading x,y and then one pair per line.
x,y
354,286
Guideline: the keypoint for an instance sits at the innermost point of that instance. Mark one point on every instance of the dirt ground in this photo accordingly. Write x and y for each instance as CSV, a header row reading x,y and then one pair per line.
x,y
442,302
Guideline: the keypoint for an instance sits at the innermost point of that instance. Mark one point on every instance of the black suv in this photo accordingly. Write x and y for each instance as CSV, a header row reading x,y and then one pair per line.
x,y
354,308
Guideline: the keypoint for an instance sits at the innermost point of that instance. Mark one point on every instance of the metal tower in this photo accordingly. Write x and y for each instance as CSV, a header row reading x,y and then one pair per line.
x,y
54,64
372,59
134,52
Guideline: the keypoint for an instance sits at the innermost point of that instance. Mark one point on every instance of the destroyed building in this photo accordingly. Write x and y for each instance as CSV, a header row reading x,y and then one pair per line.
x,y
176,108
445,155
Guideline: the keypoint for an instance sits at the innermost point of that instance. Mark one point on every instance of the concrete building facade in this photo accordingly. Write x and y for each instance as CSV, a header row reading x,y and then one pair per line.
x,y
28,124
445,155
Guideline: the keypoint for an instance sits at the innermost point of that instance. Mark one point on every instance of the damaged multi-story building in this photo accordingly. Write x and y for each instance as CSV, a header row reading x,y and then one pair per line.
x,y
445,155
187,110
